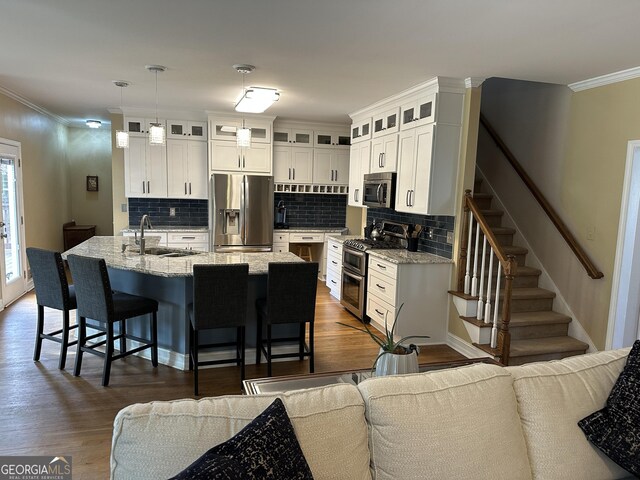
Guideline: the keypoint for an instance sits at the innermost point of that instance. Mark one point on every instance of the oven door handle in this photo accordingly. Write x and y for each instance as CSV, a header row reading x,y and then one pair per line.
x,y
378,196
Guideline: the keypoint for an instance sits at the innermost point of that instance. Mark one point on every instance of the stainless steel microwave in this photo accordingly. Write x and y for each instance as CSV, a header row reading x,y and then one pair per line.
x,y
378,190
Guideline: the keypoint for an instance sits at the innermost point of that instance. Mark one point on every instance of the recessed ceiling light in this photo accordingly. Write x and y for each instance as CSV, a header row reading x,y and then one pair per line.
x,y
94,123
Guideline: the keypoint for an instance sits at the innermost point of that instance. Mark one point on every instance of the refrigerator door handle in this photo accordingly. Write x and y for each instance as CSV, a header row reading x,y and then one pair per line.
x,y
244,224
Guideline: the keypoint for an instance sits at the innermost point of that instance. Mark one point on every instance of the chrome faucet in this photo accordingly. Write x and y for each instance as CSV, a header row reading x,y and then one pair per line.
x,y
143,221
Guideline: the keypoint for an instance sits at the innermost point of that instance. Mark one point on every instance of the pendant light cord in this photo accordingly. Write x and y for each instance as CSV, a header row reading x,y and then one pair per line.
x,y
157,97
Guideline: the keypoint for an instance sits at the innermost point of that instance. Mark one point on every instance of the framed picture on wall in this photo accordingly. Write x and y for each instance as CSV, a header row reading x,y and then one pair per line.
x,y
92,183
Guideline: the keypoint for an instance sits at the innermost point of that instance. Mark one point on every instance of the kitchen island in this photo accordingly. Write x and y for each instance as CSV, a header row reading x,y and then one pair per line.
x,y
169,280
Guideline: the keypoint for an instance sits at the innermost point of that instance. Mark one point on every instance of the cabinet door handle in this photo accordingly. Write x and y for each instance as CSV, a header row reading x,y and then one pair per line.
x,y
355,194
332,175
380,287
148,187
185,188
294,173
143,190
411,197
244,162
380,160
289,173
336,175
406,198
189,188
238,161
383,159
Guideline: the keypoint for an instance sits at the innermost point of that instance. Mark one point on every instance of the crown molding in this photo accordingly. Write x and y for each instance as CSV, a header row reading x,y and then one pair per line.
x,y
474,82
33,106
607,79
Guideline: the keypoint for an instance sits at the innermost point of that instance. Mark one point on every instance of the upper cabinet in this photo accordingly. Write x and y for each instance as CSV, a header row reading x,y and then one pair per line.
x,y
361,130
416,134
292,165
226,156
359,161
327,139
181,129
292,136
386,122
145,169
139,127
187,169
331,167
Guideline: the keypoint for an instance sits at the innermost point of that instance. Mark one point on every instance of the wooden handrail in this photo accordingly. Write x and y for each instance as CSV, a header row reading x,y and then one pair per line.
x,y
486,229
579,252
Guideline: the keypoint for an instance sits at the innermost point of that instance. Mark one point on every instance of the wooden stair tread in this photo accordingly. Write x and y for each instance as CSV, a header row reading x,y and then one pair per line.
x,y
543,346
503,230
491,212
527,293
508,249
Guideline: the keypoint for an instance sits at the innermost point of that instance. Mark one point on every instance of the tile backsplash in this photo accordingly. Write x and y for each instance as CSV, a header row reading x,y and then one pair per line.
x,y
434,242
314,210
189,213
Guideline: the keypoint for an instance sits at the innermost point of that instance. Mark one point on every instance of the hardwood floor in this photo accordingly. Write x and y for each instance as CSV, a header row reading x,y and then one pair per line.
x,y
45,411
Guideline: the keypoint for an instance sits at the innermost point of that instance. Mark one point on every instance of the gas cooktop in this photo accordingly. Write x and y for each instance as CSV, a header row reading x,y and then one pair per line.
x,y
364,244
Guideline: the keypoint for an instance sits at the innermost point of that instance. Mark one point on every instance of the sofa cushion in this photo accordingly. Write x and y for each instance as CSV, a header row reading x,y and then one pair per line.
x,y
159,439
616,428
458,424
552,398
265,449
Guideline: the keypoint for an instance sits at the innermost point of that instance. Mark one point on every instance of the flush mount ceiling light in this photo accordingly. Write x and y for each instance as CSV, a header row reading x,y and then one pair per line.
x,y
93,123
122,136
254,99
157,133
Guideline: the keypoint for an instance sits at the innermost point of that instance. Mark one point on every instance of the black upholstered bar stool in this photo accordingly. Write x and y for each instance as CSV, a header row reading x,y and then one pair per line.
x,y
291,298
53,291
98,302
219,301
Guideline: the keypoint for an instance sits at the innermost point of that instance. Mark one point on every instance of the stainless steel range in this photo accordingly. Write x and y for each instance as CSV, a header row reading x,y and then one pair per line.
x,y
354,263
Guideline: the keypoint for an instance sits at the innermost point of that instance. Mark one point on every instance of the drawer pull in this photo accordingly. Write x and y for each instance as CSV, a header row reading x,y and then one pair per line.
x,y
307,238
334,246
379,312
334,282
188,238
381,266
380,286
334,262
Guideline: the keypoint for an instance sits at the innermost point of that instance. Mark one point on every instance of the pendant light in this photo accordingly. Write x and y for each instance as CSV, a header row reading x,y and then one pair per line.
x,y
122,136
243,135
157,133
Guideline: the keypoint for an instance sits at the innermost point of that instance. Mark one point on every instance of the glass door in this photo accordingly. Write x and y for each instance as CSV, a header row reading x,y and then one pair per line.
x,y
11,232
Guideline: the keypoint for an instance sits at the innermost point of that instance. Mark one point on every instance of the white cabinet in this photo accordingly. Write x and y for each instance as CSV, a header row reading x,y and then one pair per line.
x,y
427,167
386,122
326,139
225,129
359,162
384,153
228,157
331,166
153,237
292,136
187,130
292,164
418,110
361,130
145,169
412,286
139,127
187,169
198,241
333,267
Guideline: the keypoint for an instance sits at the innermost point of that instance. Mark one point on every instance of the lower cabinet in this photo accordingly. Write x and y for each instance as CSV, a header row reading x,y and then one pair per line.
x,y
187,240
421,291
333,267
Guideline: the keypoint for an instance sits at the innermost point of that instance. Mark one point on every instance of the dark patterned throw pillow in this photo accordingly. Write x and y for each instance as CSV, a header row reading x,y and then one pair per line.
x,y
267,448
616,428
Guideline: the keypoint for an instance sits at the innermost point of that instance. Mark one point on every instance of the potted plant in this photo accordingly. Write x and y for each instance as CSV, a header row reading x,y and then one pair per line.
x,y
394,357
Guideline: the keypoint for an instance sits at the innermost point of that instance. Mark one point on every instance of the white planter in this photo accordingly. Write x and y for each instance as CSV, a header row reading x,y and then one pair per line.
x,y
392,364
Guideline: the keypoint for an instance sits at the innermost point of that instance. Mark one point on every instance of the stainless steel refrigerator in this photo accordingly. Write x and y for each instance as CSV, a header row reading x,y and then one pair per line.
x,y
241,209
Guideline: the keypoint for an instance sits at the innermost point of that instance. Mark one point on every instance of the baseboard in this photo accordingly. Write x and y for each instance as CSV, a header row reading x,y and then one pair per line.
x,y
463,347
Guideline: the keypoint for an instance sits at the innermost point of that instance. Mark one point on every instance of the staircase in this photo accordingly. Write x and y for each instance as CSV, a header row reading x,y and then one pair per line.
x,y
537,332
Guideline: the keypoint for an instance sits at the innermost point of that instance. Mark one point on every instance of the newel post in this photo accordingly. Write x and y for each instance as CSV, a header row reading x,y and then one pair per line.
x,y
504,336
462,262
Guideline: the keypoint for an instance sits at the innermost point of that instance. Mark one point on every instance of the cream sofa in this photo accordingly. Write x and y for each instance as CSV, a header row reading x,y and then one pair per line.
x,y
474,422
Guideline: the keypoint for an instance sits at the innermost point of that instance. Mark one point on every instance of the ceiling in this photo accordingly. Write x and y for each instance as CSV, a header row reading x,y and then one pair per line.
x,y
326,57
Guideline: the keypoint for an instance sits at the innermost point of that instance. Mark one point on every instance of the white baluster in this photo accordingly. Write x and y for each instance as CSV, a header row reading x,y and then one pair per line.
x,y
474,279
494,329
487,305
467,277
480,309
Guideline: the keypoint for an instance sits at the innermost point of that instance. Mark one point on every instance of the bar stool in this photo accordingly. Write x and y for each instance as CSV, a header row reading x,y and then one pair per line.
x,y
304,252
53,291
219,301
98,302
291,298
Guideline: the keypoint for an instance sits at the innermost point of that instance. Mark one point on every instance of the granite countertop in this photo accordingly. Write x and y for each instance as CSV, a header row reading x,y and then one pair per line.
x,y
172,228
110,248
336,230
405,256
341,238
